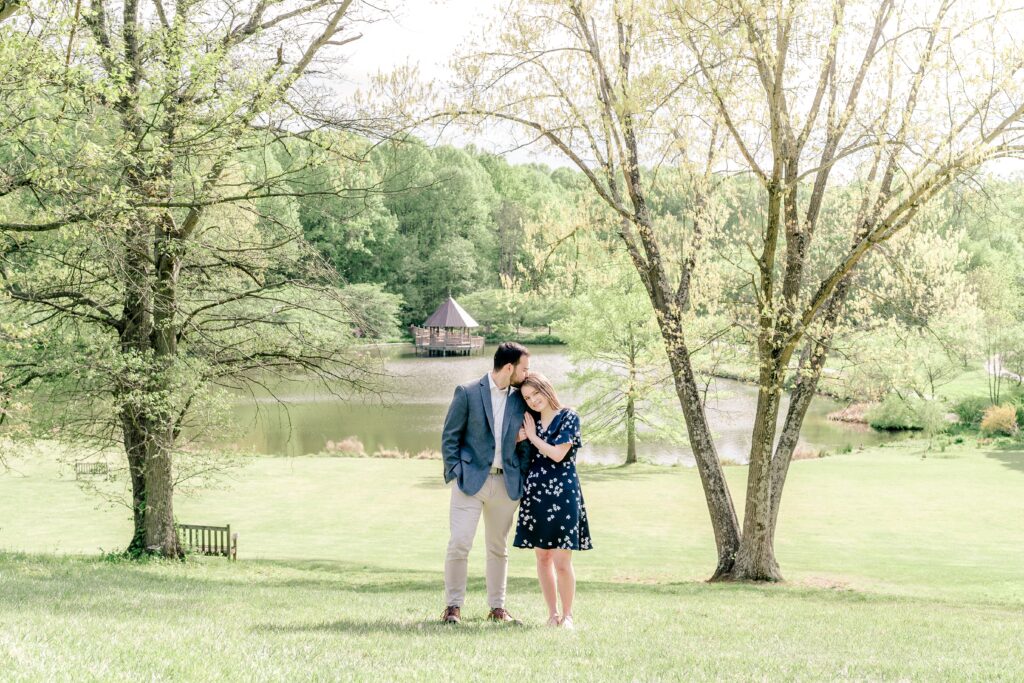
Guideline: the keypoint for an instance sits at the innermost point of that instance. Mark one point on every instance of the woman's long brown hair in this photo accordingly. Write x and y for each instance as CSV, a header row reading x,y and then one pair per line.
x,y
543,387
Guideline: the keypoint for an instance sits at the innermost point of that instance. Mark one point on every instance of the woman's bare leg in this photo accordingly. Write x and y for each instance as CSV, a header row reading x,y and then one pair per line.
x,y
566,579
546,576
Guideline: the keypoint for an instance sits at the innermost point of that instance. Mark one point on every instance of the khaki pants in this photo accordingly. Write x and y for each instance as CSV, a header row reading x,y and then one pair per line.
x,y
464,516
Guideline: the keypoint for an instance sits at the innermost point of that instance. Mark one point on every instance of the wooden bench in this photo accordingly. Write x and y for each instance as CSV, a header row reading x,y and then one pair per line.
x,y
208,540
91,469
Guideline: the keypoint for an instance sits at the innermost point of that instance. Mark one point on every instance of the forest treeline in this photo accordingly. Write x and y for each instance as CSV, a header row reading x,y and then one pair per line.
x,y
523,247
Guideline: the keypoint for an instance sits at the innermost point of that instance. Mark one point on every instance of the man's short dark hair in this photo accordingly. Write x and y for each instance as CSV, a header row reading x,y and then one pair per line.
x,y
509,352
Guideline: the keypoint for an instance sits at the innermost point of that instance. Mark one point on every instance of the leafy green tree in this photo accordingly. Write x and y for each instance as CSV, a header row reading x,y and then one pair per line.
x,y
149,224
916,317
355,231
622,90
524,193
433,222
996,247
613,339
499,311
374,312
544,309
443,201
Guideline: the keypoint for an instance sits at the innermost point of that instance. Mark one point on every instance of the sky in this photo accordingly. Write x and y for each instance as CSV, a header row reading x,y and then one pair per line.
x,y
428,33
424,31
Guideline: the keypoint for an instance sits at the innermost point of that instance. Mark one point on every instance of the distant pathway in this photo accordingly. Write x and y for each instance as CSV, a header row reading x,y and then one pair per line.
x,y
990,368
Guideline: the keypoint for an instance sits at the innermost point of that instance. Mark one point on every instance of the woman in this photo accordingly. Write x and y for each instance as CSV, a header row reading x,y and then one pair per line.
x,y
552,517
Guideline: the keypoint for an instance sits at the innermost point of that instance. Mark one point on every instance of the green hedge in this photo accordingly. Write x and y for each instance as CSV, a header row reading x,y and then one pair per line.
x,y
893,413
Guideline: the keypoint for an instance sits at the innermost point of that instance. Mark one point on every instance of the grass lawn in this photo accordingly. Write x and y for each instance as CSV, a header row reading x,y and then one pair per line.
x,y
971,382
897,567
974,382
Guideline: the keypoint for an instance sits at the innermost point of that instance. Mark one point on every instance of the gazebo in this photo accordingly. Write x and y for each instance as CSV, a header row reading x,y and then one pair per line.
x,y
447,332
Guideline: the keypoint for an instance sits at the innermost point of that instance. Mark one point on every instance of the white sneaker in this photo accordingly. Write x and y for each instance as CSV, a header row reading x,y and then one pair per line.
x,y
554,620
567,622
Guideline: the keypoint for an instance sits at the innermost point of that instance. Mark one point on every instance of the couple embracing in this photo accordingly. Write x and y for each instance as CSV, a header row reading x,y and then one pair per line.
x,y
508,439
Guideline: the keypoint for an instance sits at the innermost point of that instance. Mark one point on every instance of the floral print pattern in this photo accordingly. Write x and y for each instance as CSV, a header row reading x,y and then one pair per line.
x,y
552,514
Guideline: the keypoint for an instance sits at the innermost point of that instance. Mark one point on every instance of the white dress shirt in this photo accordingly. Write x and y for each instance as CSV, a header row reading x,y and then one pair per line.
x,y
499,397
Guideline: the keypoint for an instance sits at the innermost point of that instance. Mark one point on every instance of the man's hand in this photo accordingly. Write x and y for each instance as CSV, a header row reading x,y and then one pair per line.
x,y
451,435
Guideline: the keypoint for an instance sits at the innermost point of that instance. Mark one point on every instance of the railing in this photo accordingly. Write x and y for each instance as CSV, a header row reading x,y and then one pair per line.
x,y
441,340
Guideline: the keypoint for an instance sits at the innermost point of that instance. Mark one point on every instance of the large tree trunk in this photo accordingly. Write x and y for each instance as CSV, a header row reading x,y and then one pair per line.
x,y
811,365
769,466
137,326
800,400
756,558
161,536
716,490
135,448
134,385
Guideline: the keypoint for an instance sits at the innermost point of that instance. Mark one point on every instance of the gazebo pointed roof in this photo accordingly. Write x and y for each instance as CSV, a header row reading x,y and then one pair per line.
x,y
450,314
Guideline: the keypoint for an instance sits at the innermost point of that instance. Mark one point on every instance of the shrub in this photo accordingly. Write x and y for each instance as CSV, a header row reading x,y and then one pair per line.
x,y
970,410
350,446
893,413
1000,420
1019,402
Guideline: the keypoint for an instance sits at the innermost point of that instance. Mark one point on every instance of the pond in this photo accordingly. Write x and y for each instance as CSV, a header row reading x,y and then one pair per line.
x,y
410,420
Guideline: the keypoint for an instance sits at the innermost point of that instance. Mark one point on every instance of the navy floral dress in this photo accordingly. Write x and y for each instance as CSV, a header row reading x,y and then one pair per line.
x,y
552,513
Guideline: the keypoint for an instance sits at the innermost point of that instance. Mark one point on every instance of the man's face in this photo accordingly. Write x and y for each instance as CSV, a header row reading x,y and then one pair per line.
x,y
520,370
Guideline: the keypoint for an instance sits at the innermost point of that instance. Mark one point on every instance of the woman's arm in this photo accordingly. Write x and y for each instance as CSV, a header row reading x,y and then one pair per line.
x,y
556,453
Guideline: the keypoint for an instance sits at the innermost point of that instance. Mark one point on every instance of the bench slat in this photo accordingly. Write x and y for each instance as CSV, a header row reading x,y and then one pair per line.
x,y
209,540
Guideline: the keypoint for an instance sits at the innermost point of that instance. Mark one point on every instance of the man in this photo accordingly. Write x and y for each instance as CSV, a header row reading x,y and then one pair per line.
x,y
483,454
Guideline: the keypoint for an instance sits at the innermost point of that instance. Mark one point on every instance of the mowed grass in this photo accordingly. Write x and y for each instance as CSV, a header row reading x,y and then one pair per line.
x,y
972,382
898,566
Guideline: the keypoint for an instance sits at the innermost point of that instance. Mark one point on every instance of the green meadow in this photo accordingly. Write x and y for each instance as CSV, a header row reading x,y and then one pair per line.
x,y
899,565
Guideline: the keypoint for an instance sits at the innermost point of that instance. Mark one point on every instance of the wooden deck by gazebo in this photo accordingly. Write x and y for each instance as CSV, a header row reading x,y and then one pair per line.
x,y
447,332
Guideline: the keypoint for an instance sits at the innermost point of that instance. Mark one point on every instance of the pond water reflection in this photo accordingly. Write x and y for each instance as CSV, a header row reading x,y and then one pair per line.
x,y
422,387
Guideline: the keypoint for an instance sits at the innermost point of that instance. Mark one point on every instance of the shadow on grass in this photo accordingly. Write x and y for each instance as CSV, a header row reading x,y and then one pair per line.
x,y
370,626
639,471
87,582
431,483
1008,456
80,585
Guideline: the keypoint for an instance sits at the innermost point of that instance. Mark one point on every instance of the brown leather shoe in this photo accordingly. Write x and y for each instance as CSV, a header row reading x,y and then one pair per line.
x,y
502,615
451,615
